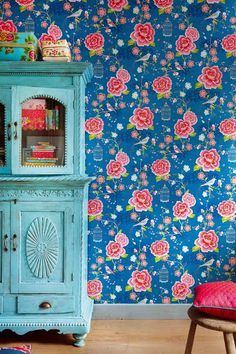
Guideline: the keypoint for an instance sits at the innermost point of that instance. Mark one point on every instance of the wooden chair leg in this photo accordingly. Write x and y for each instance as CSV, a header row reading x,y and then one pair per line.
x,y
191,334
229,343
235,338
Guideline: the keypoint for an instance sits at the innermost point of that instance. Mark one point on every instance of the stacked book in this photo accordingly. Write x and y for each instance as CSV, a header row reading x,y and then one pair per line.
x,y
43,154
2,156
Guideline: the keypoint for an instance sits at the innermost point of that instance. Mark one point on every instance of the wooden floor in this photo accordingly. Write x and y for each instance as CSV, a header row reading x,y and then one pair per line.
x,y
123,337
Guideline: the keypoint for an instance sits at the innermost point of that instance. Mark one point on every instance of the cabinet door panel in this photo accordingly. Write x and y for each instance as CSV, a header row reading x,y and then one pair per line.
x,y
4,245
5,130
42,238
43,130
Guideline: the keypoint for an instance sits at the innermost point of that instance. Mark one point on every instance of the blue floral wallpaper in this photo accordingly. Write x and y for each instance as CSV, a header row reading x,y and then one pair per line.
x,y
161,130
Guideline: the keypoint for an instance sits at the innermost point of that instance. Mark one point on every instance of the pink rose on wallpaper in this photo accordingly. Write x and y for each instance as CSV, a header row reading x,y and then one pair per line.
x,y
182,210
162,84
141,200
25,2
184,45
115,169
228,127
210,77
122,239
140,281
55,32
209,160
123,158
114,250
95,207
207,241
94,41
183,128
116,86
94,125
142,118
188,279
192,33
163,4
160,248
161,167
180,290
213,1
143,34
94,288
123,75
189,199
229,43
190,117
227,208
7,26
117,5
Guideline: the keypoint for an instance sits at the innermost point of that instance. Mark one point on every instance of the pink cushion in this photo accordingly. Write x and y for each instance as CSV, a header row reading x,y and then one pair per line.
x,y
217,299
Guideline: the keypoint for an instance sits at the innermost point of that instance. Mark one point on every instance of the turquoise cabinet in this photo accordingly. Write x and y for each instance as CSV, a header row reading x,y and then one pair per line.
x,y
43,198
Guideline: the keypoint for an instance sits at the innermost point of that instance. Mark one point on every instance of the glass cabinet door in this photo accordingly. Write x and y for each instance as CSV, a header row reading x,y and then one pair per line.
x,y
5,130
43,131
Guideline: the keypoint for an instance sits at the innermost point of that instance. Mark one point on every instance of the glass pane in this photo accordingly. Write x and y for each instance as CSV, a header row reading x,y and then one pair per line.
x,y
43,133
2,136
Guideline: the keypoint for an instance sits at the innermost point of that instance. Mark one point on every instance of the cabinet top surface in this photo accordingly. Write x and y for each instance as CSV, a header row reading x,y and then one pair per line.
x,y
39,67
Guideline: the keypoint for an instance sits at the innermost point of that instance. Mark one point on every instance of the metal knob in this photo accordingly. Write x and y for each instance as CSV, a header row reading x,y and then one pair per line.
x,y
45,305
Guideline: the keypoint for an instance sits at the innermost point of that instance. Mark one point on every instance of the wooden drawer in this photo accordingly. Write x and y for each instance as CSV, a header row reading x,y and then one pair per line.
x,y
43,304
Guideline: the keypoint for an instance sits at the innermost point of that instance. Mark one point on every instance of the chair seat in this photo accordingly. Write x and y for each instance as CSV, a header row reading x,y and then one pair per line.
x,y
211,322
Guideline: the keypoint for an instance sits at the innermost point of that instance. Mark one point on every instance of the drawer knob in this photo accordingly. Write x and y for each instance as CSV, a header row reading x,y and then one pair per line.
x,y
45,305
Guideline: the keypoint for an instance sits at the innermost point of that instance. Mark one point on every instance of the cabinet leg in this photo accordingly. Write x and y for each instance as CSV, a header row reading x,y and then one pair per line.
x,y
79,339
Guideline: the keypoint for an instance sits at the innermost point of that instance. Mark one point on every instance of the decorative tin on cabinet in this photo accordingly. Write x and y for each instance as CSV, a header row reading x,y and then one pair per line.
x,y
43,196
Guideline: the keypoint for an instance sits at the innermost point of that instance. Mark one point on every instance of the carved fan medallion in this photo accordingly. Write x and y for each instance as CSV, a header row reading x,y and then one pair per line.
x,y
42,247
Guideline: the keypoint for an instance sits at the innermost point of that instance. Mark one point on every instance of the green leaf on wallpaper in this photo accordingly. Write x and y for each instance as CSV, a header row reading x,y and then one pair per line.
x,y
127,7
222,1
150,209
174,299
160,95
216,250
226,138
129,207
109,178
125,174
124,255
91,218
198,85
191,216
178,54
158,178
130,126
220,87
108,259
199,1
190,296
197,168
109,95
153,44
193,134
92,53
92,136
149,290
175,219
110,11
157,259
195,248
128,288
126,92
131,42
217,169
151,127
161,11
225,218
195,51
228,54
176,137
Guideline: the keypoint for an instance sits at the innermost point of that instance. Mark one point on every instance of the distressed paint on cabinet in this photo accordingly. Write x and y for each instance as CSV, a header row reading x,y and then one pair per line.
x,y
43,219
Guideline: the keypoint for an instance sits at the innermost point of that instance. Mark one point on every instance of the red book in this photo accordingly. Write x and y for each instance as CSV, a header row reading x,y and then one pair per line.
x,y
33,119
43,154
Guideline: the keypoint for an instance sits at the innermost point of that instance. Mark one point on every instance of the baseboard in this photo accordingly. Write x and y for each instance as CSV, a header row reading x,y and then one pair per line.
x,y
140,312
